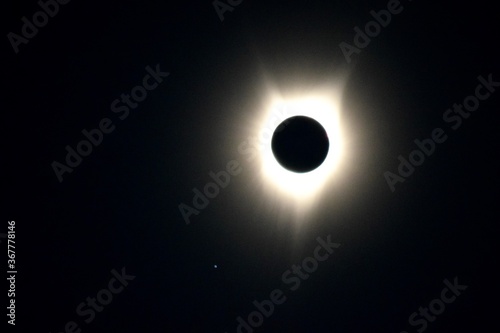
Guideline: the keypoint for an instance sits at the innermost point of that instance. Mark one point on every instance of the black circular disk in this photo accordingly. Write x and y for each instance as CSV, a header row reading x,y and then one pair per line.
x,y
300,144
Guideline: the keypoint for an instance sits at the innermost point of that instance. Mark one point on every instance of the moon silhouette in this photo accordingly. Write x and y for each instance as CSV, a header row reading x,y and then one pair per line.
x,y
300,144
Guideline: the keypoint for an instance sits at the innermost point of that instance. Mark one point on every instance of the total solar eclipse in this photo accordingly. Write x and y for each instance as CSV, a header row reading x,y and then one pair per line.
x,y
300,144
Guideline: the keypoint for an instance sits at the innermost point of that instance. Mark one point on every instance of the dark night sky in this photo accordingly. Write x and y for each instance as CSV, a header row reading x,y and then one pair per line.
x,y
119,208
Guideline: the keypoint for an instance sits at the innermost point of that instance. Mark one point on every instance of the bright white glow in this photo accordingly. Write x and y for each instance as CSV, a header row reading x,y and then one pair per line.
x,y
302,188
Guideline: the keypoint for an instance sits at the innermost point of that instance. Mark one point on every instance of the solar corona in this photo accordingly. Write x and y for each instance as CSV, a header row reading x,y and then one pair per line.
x,y
305,149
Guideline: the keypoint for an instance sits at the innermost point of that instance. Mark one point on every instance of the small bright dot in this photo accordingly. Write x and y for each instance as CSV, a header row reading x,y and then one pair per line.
x,y
215,266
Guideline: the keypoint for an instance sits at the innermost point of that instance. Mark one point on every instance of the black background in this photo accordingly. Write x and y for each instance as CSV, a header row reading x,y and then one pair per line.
x,y
119,208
